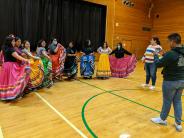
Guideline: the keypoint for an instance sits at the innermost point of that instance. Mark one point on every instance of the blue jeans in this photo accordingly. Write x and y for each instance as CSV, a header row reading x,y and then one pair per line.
x,y
172,92
151,71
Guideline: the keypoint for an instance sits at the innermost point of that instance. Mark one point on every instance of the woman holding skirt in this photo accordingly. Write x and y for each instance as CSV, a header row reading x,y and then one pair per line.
x,y
103,68
14,72
42,53
87,65
122,66
57,54
37,70
70,66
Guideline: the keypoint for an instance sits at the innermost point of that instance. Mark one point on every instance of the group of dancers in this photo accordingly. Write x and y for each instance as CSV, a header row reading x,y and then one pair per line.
x,y
23,71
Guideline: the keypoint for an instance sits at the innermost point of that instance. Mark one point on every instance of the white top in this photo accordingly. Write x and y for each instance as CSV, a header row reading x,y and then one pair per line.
x,y
104,51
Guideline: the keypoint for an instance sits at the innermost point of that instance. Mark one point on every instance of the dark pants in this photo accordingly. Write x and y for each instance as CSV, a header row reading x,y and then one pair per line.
x,y
172,92
151,71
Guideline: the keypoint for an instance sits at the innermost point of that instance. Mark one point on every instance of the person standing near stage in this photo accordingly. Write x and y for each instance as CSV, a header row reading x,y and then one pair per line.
x,y
70,66
103,68
87,65
173,83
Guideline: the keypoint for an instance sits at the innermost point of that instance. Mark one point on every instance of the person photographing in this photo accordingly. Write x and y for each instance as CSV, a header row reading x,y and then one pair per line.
x,y
173,83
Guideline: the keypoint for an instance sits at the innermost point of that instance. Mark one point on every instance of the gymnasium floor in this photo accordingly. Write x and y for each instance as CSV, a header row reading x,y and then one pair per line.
x,y
88,108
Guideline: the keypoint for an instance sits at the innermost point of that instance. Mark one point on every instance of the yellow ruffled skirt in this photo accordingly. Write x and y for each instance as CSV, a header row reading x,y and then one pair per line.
x,y
103,67
37,73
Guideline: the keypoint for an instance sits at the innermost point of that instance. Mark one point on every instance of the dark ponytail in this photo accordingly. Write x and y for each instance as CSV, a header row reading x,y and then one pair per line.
x,y
157,40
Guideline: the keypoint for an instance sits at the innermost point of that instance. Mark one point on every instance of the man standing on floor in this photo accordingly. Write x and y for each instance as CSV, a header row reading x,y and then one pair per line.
x,y
173,83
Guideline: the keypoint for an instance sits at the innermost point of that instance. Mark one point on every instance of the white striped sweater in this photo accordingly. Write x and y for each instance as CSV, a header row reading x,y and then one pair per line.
x,y
148,55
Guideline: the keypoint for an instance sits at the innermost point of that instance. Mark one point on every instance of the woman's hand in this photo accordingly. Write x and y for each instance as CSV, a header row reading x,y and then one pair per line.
x,y
155,53
162,52
83,54
26,61
92,54
49,58
143,59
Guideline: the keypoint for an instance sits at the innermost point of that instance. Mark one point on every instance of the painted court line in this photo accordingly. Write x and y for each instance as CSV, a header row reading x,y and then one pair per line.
x,y
1,132
110,92
62,116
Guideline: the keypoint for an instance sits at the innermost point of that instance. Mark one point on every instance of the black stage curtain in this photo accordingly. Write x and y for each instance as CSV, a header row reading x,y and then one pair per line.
x,y
67,20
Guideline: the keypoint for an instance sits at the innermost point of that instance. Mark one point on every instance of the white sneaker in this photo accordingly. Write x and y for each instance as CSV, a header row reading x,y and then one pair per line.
x,y
145,85
158,120
152,88
178,127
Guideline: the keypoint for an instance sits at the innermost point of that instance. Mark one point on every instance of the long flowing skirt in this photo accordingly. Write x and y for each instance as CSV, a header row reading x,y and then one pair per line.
x,y
87,66
70,67
122,67
13,80
47,82
37,74
58,62
103,68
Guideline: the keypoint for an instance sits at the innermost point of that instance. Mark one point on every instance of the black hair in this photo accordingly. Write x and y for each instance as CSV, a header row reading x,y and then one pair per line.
x,y
40,43
71,42
17,38
23,44
106,44
175,37
51,40
157,40
86,44
120,44
8,41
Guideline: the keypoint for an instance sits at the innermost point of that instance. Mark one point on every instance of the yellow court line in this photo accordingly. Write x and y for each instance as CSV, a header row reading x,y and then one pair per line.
x,y
1,132
62,116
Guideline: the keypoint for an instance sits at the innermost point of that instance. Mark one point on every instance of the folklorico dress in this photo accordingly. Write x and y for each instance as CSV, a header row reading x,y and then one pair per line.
x,y
58,60
14,75
47,82
37,70
122,66
70,66
87,65
103,67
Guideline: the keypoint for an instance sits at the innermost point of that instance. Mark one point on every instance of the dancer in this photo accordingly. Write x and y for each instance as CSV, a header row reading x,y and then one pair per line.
x,y
87,65
57,54
42,53
14,72
148,59
103,68
122,66
70,68
37,70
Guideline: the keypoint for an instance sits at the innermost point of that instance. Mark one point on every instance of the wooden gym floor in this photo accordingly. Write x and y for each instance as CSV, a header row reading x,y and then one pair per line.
x,y
88,108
